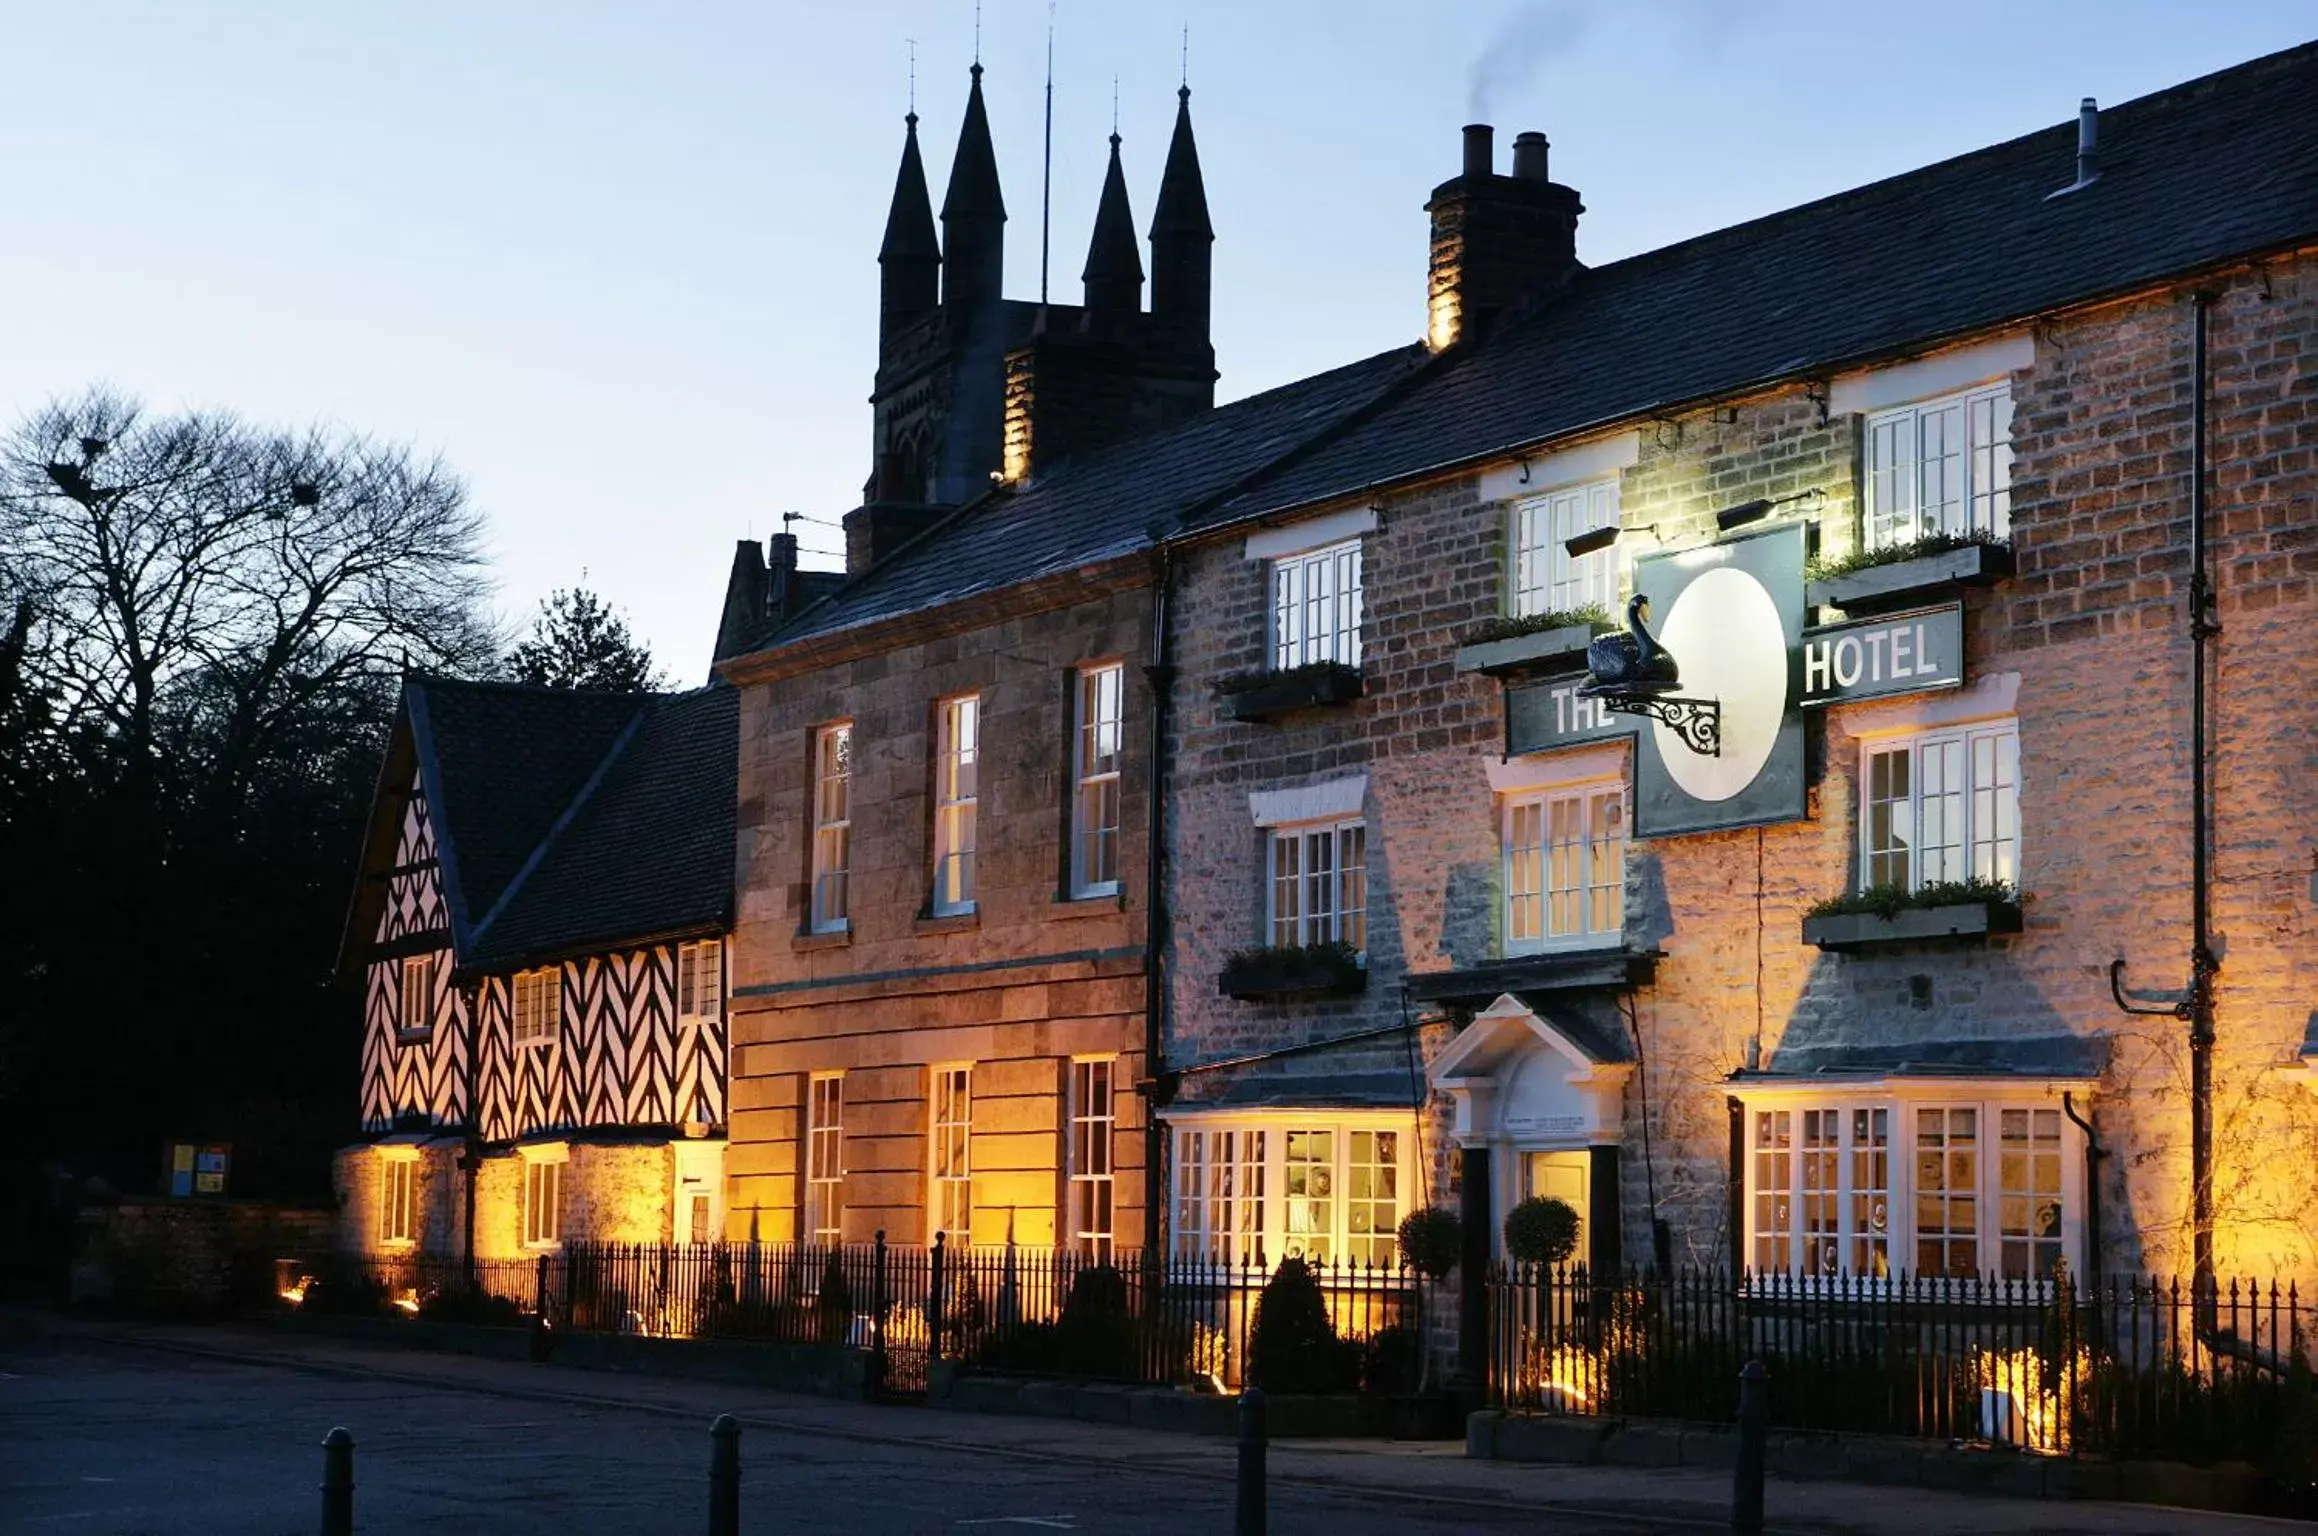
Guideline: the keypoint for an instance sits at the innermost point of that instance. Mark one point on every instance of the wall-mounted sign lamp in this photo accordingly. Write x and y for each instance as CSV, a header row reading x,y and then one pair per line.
x,y
1755,511
1592,540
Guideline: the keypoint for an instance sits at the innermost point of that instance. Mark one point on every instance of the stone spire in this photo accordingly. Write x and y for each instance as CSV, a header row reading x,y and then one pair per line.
x,y
973,214
1182,240
1114,274
910,260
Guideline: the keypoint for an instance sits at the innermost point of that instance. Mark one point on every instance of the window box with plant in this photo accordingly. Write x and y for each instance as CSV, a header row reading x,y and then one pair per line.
x,y
1315,684
1507,647
1884,579
1893,914
1294,970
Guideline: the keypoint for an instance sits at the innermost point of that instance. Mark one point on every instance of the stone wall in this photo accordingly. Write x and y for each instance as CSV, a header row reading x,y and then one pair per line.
x,y
1016,988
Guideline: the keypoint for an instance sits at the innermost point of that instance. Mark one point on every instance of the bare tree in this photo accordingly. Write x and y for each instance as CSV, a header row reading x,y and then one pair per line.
x,y
196,582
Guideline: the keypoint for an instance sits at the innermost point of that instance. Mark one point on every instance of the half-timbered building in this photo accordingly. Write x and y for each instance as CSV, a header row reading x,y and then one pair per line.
x,y
540,927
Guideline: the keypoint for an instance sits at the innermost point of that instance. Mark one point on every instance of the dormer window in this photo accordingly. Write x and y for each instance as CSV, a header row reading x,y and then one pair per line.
x,y
1316,607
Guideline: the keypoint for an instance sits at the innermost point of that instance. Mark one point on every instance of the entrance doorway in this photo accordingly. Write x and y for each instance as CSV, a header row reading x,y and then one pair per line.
x,y
1563,1176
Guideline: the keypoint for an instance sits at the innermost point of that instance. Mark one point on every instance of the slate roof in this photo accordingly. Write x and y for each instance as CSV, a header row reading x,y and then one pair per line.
x,y
569,821
2190,176
2039,1056
1102,506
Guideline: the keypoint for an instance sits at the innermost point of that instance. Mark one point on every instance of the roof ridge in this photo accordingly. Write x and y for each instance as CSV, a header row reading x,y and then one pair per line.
x,y
439,680
555,829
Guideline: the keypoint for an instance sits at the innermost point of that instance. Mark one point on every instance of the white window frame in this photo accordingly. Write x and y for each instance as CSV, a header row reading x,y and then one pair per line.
x,y
1539,911
1316,607
1306,905
828,891
1985,840
535,1008
950,1154
1244,1191
1098,752
418,996
957,792
1090,1157
1828,1236
1938,465
541,1213
700,983
1546,577
398,1225
822,1217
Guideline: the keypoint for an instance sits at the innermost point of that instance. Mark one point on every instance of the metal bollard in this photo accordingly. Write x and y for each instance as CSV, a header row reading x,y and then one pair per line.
x,y
724,1476
1248,1519
1746,1496
338,1483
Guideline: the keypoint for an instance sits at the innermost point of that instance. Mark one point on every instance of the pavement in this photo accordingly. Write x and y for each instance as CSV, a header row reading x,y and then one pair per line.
x,y
116,1428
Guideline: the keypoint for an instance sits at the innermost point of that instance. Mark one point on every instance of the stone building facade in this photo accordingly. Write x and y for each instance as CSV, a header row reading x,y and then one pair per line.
x,y
1552,997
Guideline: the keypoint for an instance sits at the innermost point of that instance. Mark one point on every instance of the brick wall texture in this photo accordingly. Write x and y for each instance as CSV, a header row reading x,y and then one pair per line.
x,y
2094,627
1029,981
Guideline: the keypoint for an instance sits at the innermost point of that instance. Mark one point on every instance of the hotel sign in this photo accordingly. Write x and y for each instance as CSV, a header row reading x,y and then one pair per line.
x,y
1546,714
1873,658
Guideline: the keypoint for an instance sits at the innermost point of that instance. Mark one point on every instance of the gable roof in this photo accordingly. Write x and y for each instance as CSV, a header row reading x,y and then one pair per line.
x,y
1101,506
564,821
2190,177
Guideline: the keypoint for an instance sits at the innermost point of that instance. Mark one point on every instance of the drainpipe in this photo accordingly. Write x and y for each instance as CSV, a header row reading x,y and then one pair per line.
x,y
2094,1152
2203,965
471,1155
1160,675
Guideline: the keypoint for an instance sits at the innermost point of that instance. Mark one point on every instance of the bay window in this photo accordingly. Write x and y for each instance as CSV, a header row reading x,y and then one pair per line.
x,y
1547,578
1940,466
1316,607
1942,806
1330,1190
1978,1188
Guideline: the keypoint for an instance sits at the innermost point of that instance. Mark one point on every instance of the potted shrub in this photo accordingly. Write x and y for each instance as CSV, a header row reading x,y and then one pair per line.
x,y
1293,970
1541,1230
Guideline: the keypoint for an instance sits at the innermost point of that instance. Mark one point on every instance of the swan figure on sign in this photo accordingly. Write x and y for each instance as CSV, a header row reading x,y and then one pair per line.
x,y
1634,659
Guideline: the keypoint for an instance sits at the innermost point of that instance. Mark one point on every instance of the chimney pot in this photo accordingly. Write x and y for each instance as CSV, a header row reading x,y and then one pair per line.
x,y
1480,150
1529,157
2088,139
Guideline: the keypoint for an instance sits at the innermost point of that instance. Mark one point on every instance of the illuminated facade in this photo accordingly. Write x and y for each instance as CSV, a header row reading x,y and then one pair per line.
x,y
541,930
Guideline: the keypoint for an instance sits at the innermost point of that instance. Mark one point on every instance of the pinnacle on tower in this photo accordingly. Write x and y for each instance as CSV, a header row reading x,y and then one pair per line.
x,y
1114,273
1182,239
910,259
973,213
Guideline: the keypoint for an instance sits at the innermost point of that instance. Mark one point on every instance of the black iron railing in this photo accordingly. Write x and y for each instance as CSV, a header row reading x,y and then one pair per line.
x,y
2128,1367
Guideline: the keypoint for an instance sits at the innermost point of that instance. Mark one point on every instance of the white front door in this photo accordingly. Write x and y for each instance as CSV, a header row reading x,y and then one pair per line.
x,y
697,1215
1563,1176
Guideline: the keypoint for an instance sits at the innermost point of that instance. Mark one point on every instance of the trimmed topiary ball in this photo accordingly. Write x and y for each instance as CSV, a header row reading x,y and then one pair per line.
x,y
1541,1230
1431,1241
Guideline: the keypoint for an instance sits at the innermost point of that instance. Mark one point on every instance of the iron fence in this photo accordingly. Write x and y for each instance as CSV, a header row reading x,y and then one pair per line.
x,y
2128,1367
1014,1310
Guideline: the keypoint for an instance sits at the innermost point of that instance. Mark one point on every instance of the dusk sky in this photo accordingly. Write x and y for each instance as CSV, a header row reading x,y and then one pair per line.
x,y
616,263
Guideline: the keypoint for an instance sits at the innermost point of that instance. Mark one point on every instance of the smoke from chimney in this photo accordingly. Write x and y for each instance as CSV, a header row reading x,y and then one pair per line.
x,y
1533,33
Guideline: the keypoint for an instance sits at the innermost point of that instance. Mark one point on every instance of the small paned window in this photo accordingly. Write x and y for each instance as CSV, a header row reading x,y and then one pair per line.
x,y
1099,741
825,1159
538,1006
542,1202
398,1208
1318,885
957,773
1944,806
1565,866
1940,466
1093,1120
700,982
1316,607
418,994
1547,578
832,827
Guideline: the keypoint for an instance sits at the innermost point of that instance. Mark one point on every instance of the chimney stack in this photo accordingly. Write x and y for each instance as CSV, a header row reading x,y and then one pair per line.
x,y
2088,149
1497,241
